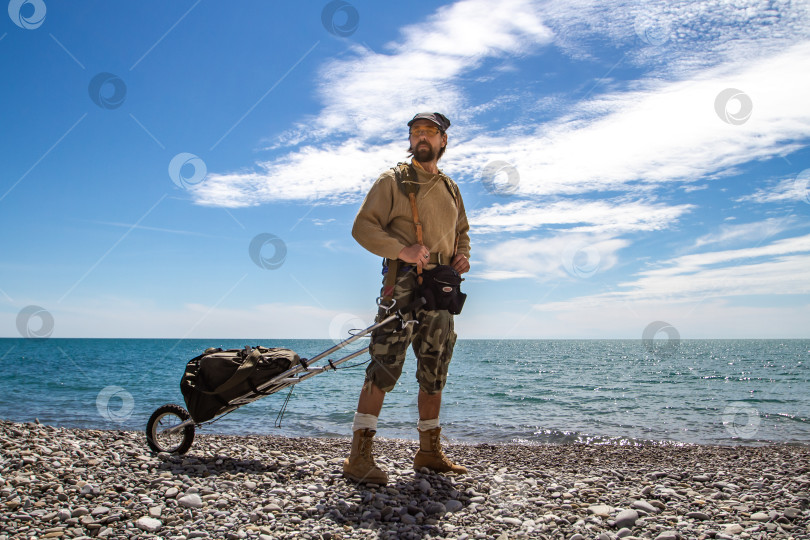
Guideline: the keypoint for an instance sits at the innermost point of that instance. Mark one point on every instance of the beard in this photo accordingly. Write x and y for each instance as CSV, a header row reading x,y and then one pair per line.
x,y
424,153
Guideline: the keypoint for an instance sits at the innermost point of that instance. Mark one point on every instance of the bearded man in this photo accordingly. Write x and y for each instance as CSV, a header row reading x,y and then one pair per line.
x,y
405,203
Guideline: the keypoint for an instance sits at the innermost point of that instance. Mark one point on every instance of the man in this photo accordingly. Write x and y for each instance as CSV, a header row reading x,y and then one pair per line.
x,y
386,226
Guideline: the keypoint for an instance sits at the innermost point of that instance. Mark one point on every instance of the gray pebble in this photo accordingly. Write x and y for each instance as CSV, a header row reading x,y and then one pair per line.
x,y
645,507
435,508
626,518
243,487
78,512
792,513
99,511
698,515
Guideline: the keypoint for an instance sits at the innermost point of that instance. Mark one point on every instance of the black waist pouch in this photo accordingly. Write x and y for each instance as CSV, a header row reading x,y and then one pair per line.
x,y
441,289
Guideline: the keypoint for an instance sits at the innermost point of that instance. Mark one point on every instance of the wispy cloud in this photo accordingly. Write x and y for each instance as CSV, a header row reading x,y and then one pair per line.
x,y
550,258
796,188
155,229
339,173
748,233
654,131
779,268
677,37
371,92
663,133
594,217
369,97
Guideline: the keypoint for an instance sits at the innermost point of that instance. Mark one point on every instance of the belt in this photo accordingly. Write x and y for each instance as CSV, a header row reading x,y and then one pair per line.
x,y
435,258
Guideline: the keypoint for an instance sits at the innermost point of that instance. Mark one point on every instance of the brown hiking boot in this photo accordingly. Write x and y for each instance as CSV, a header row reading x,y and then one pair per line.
x,y
430,454
360,466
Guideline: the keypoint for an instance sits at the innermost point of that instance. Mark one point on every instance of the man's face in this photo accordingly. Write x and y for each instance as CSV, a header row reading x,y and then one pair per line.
x,y
426,140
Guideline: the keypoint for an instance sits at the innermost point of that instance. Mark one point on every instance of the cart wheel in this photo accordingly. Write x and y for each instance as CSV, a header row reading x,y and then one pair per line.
x,y
162,433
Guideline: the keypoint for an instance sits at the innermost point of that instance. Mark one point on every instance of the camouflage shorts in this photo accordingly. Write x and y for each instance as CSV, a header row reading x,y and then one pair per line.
x,y
433,339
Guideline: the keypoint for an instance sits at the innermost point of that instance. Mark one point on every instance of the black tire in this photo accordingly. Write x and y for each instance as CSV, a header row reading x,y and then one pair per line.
x,y
163,419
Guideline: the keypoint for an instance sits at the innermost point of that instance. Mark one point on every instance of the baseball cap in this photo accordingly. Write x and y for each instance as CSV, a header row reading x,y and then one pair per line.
x,y
437,118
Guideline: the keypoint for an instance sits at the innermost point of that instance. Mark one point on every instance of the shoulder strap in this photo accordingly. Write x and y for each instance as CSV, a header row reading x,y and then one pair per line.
x,y
453,187
406,178
406,181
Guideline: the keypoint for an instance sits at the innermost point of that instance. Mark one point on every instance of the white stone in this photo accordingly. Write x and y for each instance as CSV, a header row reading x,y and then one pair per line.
x,y
191,501
149,524
601,510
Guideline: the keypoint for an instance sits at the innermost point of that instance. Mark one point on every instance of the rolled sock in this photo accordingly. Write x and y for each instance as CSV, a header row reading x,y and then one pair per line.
x,y
426,425
364,421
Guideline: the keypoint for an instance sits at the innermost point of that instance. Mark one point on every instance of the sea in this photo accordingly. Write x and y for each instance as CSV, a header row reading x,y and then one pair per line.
x,y
715,392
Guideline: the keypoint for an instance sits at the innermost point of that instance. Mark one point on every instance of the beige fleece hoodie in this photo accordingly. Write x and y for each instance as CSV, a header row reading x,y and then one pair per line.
x,y
384,223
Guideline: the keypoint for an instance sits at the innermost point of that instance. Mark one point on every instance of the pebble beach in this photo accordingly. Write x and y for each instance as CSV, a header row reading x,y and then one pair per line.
x,y
76,483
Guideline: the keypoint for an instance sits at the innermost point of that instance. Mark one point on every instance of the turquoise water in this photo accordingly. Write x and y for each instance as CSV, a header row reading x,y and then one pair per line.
x,y
702,391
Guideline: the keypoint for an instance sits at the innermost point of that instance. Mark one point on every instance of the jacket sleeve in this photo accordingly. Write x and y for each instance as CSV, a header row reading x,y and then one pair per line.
x,y
373,218
462,228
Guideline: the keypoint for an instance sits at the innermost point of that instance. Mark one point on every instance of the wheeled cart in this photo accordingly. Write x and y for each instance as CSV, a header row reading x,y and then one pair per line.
x,y
171,427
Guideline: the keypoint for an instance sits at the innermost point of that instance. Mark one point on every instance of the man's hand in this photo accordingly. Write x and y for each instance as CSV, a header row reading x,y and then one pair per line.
x,y
461,263
416,254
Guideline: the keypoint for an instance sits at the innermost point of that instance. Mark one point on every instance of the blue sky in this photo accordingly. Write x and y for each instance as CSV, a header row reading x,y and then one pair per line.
x,y
622,163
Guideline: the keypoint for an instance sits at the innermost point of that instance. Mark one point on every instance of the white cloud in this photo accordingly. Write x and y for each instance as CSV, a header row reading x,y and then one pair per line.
x,y
373,92
779,268
595,217
339,174
678,36
658,132
789,189
666,132
575,255
369,98
748,233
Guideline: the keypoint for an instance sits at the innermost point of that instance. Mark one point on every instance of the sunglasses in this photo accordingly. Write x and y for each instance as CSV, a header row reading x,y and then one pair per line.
x,y
424,130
